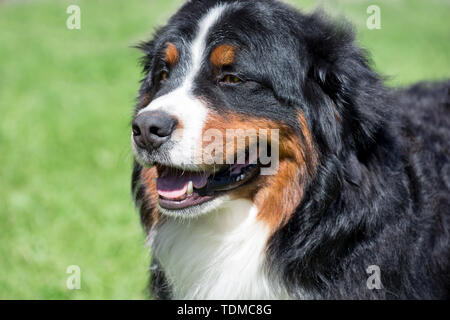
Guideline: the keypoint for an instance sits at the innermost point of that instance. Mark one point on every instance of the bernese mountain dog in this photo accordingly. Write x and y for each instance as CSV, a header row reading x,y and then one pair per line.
x,y
357,205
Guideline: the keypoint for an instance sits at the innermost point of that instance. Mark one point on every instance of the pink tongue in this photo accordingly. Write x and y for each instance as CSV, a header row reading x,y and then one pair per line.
x,y
174,183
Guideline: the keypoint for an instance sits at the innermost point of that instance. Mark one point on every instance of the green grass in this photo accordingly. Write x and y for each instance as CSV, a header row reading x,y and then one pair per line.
x,y
65,103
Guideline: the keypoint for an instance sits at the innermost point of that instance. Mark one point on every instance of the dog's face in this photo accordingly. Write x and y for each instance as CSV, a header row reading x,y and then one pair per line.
x,y
217,67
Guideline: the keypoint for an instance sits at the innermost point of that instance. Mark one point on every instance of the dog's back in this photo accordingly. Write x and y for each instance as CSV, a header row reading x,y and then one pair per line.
x,y
424,113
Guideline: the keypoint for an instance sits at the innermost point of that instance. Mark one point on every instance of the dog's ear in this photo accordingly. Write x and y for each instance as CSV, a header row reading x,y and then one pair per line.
x,y
341,71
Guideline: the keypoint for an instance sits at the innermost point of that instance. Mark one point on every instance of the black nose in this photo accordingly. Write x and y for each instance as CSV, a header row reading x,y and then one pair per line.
x,y
152,128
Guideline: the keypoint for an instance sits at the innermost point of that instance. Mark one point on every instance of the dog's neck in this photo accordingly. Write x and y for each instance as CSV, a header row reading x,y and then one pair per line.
x,y
219,255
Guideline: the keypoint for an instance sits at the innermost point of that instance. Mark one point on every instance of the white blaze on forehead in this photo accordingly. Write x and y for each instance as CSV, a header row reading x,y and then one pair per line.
x,y
198,46
181,102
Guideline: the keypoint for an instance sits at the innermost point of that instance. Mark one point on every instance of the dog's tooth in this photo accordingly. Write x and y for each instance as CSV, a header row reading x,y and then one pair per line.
x,y
190,188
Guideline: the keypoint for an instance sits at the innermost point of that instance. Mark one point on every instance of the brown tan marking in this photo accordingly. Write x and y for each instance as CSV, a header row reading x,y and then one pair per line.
x,y
172,54
148,176
144,100
276,196
223,55
279,195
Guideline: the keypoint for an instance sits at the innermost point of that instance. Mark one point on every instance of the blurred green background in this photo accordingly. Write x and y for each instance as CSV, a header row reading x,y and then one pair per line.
x,y
66,98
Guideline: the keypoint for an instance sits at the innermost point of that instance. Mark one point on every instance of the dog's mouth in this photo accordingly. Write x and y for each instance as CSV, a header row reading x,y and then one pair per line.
x,y
179,189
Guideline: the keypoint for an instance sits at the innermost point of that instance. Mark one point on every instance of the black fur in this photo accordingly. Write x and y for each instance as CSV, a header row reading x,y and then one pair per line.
x,y
380,194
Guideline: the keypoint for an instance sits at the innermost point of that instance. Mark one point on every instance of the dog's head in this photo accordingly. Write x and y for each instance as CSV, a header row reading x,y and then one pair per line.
x,y
282,83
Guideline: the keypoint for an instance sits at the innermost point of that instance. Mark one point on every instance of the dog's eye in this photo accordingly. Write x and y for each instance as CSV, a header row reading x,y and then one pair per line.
x,y
231,79
163,76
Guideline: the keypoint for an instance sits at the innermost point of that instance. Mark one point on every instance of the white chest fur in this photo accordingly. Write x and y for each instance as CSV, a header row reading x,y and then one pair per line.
x,y
217,256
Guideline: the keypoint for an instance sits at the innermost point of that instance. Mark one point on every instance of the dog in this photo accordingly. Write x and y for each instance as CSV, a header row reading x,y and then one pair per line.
x,y
358,204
